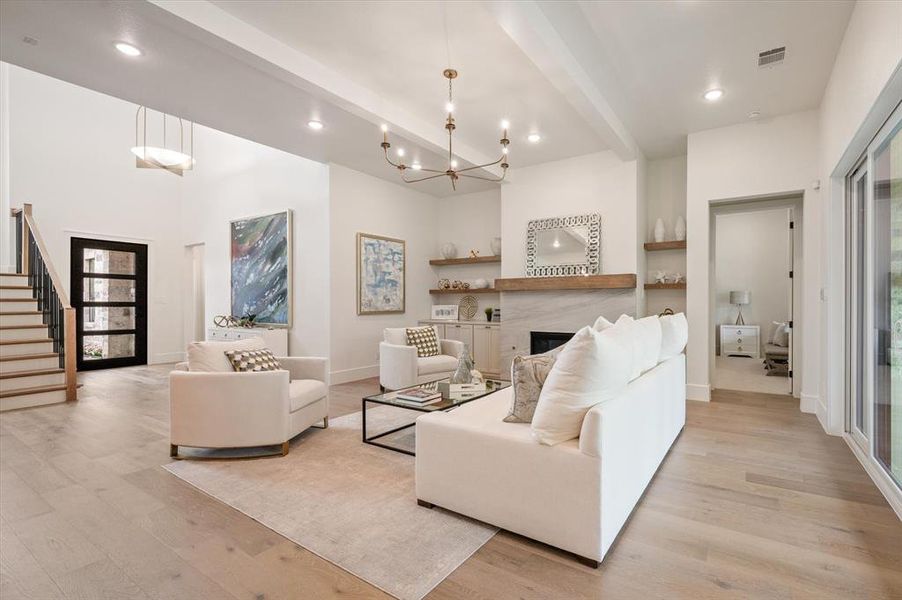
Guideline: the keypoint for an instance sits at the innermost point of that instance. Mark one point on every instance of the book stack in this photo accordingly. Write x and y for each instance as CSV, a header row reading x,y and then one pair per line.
x,y
419,396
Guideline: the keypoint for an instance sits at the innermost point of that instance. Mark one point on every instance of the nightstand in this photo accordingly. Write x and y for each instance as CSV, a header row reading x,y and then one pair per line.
x,y
740,340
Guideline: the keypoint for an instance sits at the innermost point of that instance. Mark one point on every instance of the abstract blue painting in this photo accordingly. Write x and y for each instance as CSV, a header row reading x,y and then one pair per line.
x,y
261,268
380,274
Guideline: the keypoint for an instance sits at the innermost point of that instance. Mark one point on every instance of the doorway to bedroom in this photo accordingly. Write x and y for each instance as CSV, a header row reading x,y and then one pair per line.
x,y
755,301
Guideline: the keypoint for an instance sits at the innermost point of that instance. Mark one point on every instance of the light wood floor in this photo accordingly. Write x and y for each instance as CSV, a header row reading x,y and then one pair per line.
x,y
754,501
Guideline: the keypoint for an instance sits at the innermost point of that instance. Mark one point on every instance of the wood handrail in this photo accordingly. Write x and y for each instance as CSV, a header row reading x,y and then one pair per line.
x,y
39,242
69,318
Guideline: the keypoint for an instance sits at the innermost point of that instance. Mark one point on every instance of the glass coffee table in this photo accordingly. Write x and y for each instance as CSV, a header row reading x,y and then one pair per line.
x,y
446,403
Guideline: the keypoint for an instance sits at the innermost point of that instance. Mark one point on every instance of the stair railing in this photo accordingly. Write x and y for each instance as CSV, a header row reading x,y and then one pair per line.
x,y
57,313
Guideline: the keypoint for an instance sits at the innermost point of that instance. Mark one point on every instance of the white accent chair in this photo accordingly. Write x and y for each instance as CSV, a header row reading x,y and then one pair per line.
x,y
400,367
214,408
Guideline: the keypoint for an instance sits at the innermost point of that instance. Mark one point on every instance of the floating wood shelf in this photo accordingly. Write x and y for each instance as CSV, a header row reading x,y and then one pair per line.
x,y
469,291
666,286
621,281
479,260
680,245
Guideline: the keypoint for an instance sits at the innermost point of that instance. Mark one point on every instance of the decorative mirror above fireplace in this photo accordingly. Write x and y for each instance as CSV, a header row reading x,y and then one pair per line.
x,y
563,246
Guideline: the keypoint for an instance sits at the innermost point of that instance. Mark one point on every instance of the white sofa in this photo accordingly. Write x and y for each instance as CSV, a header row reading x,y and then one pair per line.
x,y
575,495
218,409
400,367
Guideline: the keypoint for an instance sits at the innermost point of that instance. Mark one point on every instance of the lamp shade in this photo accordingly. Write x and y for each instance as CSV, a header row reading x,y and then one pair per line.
x,y
740,297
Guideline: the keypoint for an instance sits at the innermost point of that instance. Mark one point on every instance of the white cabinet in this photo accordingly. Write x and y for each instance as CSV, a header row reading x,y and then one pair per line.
x,y
461,333
276,339
740,340
487,348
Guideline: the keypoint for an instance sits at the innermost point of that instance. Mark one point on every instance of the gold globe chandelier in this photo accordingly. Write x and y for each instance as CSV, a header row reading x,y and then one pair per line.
x,y
451,171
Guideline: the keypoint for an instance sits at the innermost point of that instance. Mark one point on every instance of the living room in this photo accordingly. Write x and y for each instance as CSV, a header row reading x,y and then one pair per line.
x,y
460,272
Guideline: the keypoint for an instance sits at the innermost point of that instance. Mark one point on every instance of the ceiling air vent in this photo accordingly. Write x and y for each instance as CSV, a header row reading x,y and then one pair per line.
x,y
770,58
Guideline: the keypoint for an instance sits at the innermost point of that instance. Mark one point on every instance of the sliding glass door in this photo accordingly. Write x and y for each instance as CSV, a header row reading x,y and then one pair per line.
x,y
875,301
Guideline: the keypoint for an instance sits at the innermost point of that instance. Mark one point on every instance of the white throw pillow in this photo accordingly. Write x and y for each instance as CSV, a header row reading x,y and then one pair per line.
x,y
210,356
601,324
593,368
649,330
627,324
674,335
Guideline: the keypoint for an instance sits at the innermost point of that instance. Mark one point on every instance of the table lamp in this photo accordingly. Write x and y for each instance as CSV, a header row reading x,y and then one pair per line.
x,y
739,298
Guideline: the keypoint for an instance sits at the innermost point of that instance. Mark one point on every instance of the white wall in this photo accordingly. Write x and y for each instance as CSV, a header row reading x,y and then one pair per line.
x,y
666,181
69,157
769,158
236,178
864,86
361,203
598,182
752,253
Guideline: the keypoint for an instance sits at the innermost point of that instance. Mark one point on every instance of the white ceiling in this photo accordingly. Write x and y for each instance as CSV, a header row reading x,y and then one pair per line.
x,y
586,75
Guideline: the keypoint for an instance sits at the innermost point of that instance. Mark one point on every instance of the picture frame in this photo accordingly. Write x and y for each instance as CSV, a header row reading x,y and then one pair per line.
x,y
444,312
381,275
262,244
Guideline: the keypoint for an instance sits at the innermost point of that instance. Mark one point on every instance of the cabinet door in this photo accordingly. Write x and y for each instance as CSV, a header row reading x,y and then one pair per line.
x,y
461,333
481,347
494,361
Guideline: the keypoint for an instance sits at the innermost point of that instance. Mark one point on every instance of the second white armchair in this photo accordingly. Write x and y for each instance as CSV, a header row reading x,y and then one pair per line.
x,y
400,367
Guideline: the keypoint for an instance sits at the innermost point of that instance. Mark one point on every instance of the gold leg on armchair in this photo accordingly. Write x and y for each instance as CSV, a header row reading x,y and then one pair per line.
x,y
284,448
173,450
325,422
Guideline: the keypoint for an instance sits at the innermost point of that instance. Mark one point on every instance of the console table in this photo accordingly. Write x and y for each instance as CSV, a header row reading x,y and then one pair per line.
x,y
276,339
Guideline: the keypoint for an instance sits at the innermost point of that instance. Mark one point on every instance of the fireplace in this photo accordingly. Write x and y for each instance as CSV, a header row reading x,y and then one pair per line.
x,y
543,341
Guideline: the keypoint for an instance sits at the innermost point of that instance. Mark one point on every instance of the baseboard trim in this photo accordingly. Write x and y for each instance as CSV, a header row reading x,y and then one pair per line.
x,y
356,374
698,391
808,403
880,479
820,409
167,357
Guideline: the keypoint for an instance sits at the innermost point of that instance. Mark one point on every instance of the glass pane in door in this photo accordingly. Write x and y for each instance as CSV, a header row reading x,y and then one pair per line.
x,y
103,318
887,323
97,347
109,290
113,262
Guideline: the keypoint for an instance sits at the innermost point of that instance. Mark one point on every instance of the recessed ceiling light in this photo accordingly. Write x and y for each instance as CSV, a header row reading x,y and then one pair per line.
x,y
400,151
534,138
416,166
712,95
127,49
314,125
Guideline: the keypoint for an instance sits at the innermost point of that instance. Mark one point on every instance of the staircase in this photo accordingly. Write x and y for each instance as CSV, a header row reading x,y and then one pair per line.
x,y
37,325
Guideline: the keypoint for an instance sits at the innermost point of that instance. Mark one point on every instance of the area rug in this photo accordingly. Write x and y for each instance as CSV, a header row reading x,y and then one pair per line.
x,y
351,503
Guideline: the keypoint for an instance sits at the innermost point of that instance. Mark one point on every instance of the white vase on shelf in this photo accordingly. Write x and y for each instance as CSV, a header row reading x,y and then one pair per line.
x,y
496,246
679,230
659,230
449,250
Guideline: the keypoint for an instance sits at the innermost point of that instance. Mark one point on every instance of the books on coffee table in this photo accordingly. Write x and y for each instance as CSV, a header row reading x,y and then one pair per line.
x,y
419,395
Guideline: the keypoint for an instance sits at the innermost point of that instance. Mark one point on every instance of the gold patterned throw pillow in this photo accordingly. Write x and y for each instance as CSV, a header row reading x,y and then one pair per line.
x,y
252,360
424,339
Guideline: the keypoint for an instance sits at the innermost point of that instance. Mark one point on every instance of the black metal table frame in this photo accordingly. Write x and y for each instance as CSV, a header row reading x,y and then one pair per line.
x,y
372,439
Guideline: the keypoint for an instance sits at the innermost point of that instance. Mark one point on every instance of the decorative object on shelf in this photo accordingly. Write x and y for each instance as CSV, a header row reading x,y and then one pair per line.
x,y
162,157
677,278
488,313
465,285
451,171
456,284
496,246
660,277
659,230
477,377
496,315
480,284
443,284
464,371
679,230
564,246
474,253
381,272
467,307
261,268
665,312
247,321
449,250
740,298
444,312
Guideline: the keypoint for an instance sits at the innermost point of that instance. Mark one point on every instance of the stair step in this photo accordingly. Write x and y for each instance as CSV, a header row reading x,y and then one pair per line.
x,y
13,279
16,292
18,380
29,362
25,341
40,389
18,304
23,333
15,287
20,317
17,347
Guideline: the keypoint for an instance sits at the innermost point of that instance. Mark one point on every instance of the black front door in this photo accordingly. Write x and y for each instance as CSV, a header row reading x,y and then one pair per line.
x,y
109,293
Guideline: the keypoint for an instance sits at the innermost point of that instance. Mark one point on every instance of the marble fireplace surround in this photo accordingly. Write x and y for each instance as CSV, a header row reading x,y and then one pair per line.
x,y
564,310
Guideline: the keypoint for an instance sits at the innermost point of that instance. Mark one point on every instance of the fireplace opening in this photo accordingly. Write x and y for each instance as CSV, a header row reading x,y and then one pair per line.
x,y
543,341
